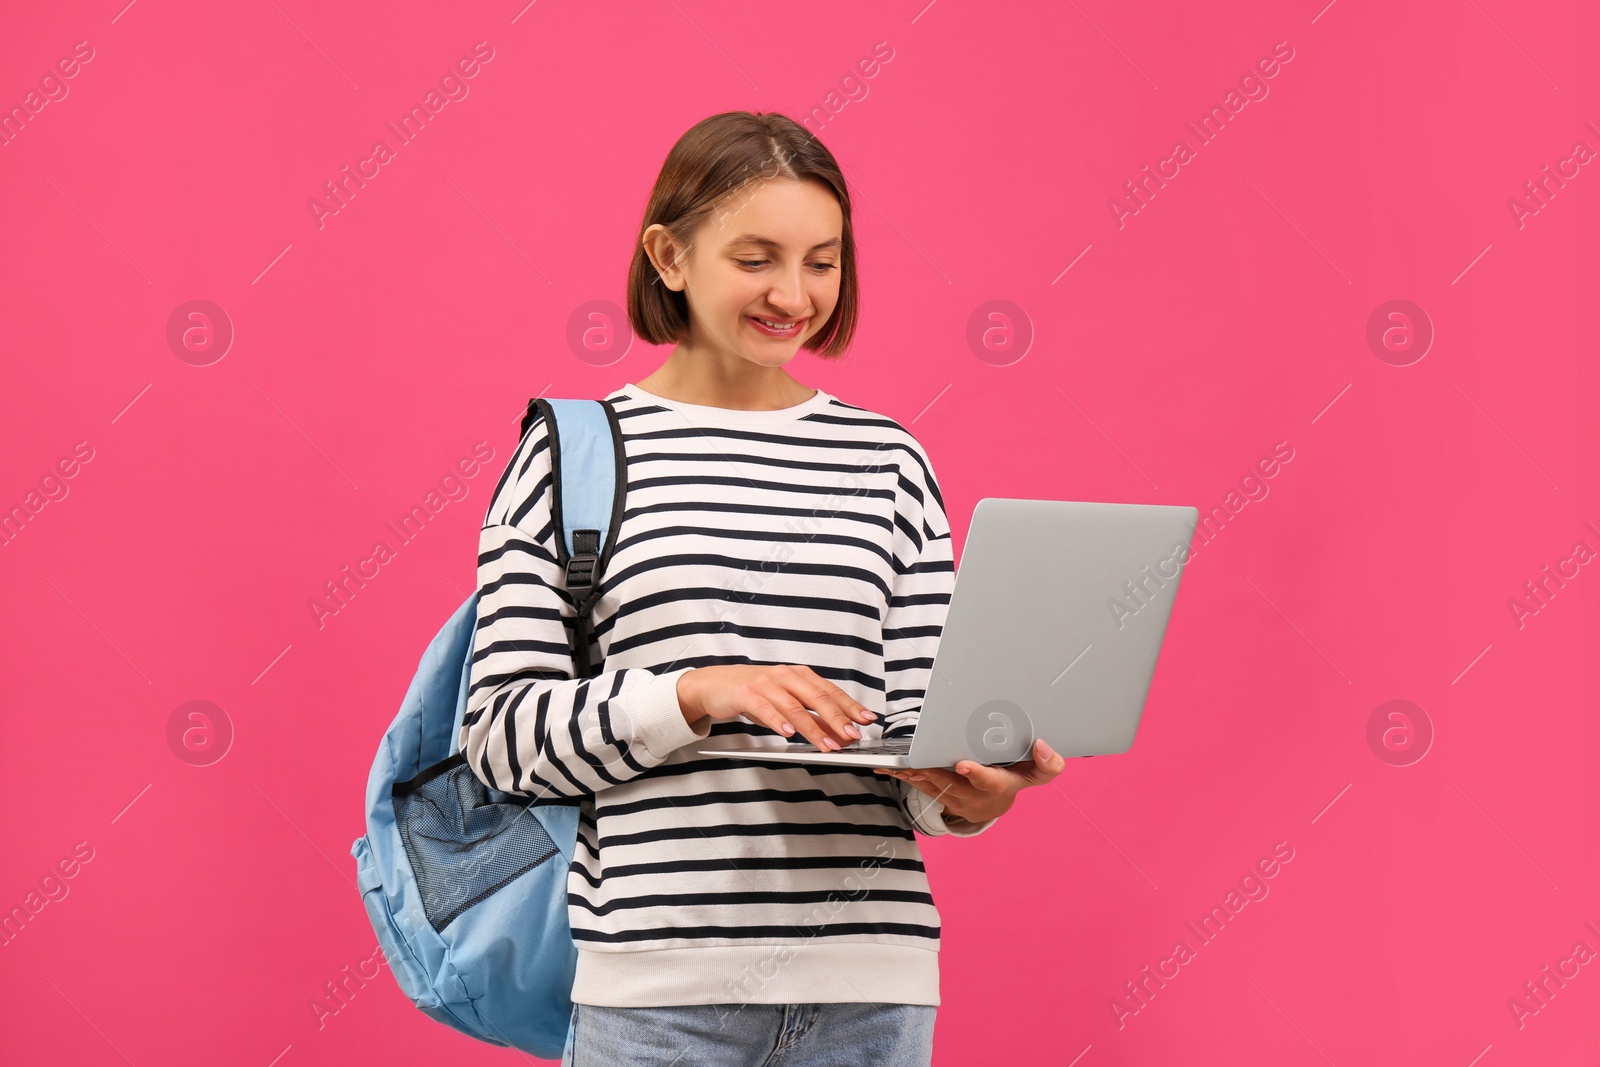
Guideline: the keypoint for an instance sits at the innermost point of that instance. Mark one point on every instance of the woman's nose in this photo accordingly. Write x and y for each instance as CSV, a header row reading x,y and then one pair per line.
x,y
787,295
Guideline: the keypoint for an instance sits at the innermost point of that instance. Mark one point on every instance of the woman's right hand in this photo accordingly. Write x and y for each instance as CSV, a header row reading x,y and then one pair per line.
x,y
777,696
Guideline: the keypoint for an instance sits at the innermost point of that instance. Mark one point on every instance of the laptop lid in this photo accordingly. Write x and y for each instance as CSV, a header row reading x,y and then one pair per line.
x,y
1053,629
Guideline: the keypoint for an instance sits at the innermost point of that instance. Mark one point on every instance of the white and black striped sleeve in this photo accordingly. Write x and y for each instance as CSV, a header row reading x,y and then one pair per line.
x,y
924,580
531,726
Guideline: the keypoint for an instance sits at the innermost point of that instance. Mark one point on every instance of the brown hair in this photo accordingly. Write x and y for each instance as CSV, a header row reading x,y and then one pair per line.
x,y
715,158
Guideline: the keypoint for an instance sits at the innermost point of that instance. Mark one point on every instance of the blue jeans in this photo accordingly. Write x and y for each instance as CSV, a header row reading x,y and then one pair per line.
x,y
752,1035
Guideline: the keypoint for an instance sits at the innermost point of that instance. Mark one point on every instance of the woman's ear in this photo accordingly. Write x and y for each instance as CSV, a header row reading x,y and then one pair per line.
x,y
665,256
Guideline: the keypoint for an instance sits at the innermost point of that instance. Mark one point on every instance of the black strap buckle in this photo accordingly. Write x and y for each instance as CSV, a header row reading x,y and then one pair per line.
x,y
585,557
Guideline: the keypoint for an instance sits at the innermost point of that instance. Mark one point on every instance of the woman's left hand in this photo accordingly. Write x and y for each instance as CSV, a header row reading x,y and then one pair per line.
x,y
978,793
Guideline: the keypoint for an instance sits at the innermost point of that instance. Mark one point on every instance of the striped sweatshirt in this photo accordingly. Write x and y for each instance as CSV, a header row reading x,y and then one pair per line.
x,y
814,535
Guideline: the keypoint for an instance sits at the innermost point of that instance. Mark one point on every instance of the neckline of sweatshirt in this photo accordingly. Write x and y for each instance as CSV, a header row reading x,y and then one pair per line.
x,y
706,415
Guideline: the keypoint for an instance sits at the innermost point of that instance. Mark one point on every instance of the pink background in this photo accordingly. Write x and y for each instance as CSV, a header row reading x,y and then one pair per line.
x,y
1227,315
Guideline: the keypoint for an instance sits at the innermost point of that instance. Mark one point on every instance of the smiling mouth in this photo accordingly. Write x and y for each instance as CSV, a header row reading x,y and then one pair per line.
x,y
777,327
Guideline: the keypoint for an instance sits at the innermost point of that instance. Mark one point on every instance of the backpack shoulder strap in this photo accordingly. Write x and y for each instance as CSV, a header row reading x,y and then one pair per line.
x,y
589,486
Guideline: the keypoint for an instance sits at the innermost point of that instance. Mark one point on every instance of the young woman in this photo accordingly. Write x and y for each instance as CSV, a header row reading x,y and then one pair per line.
x,y
781,576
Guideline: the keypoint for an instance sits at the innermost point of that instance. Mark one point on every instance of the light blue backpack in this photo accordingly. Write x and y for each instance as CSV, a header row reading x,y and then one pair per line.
x,y
466,886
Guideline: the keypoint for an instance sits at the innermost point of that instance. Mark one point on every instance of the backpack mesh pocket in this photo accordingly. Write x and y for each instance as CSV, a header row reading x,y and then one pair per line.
x,y
463,843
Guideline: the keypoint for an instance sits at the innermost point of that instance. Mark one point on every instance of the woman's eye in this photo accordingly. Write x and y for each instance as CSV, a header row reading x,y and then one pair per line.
x,y
761,263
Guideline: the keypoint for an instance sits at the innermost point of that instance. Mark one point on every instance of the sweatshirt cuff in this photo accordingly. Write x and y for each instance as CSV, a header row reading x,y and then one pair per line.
x,y
927,815
655,718
963,828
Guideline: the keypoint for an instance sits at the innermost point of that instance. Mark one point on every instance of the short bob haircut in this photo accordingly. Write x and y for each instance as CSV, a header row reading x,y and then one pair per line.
x,y
715,159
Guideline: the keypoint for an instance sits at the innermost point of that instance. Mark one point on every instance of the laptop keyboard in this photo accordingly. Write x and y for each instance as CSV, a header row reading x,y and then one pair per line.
x,y
893,746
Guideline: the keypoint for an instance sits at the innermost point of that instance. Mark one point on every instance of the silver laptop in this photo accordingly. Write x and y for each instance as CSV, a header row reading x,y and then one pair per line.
x,y
1053,631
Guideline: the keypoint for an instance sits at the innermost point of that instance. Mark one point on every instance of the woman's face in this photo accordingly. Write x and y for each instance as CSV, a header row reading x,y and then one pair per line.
x,y
770,251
